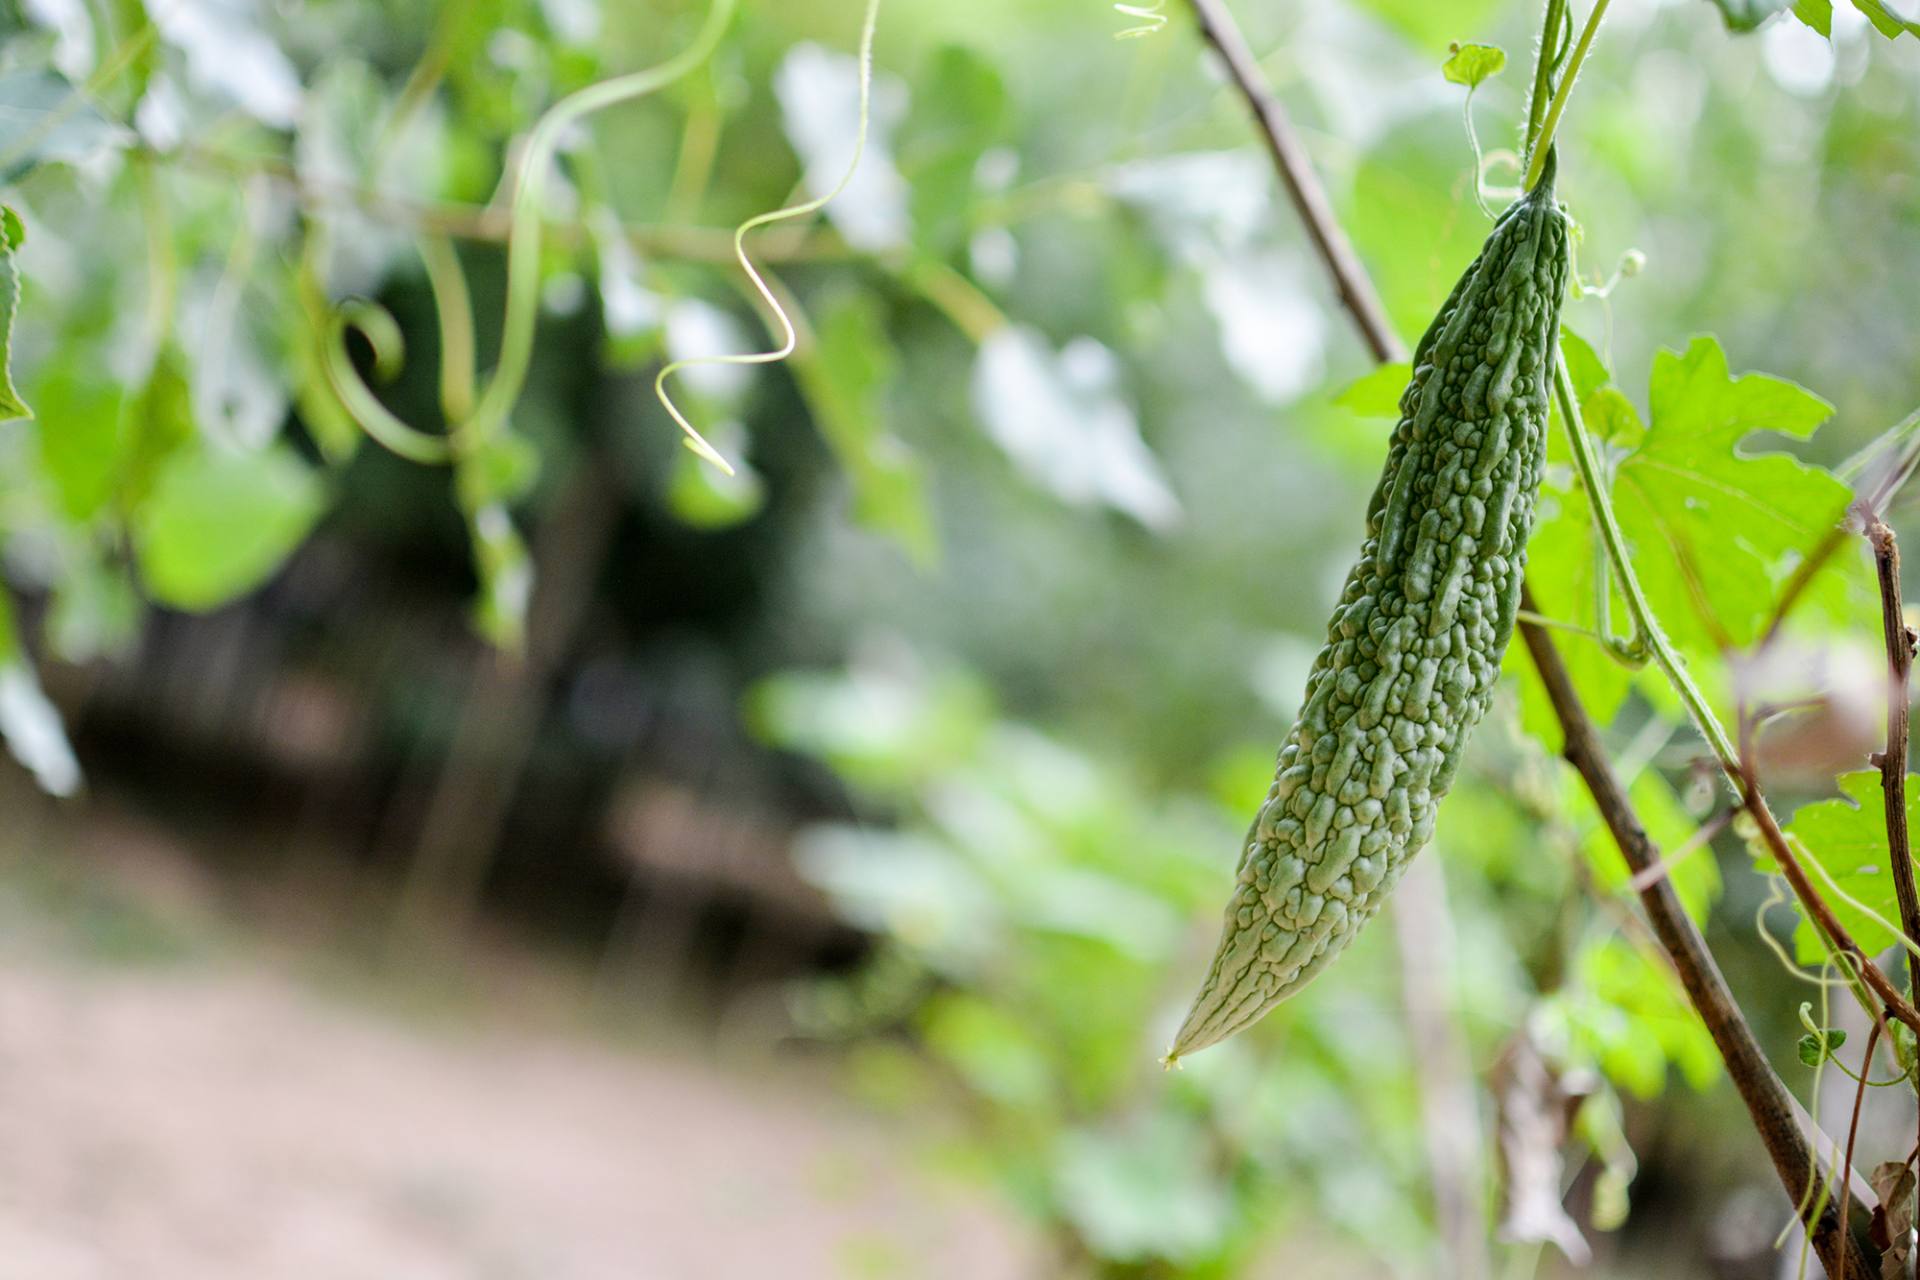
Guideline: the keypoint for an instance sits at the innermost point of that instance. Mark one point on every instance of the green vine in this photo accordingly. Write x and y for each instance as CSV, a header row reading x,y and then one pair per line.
x,y
1540,136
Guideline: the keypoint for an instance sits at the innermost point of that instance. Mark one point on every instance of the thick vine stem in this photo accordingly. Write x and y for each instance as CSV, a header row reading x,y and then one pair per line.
x,y
1893,760
1646,626
1770,1105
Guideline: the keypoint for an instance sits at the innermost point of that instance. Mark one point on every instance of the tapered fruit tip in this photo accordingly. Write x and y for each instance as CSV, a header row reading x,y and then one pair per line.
x,y
1170,1061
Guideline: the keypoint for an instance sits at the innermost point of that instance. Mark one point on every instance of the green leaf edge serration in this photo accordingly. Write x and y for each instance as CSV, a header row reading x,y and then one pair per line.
x,y
1414,647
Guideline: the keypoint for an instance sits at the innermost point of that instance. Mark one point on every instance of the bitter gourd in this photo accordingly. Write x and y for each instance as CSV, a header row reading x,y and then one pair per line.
x,y
1415,644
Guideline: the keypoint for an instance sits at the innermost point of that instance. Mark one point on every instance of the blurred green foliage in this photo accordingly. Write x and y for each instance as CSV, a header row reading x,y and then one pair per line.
x,y
1060,481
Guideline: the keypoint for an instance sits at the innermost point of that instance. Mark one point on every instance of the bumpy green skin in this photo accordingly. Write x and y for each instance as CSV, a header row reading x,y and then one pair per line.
x,y
1415,645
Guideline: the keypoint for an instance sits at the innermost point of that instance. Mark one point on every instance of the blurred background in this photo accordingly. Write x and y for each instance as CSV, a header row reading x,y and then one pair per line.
x,y
585,864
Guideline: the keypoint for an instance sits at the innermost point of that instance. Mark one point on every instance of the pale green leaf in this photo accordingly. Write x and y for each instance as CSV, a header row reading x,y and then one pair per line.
x,y
12,235
1847,839
1472,64
1144,1193
1715,530
79,429
218,523
960,109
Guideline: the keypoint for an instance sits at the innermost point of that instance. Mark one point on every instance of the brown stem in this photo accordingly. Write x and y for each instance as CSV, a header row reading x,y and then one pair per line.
x,y
1350,278
1853,1125
1768,1102
1893,761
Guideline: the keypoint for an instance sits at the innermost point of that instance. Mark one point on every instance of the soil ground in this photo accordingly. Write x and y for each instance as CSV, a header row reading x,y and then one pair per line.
x,y
174,1107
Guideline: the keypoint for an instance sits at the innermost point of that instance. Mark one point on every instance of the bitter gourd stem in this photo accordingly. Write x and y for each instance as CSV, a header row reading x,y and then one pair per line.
x,y
1646,625
1556,11
1545,141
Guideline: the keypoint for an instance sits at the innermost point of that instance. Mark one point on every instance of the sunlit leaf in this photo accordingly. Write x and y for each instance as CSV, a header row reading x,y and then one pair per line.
x,y
1563,561
1694,874
1628,1014
991,1048
1611,417
1431,25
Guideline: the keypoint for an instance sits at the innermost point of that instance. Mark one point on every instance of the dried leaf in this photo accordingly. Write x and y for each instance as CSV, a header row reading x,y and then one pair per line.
x,y
1892,1228
1536,1110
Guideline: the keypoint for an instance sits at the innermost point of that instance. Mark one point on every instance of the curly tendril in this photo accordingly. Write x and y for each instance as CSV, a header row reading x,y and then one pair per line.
x,y
529,183
1151,19
789,339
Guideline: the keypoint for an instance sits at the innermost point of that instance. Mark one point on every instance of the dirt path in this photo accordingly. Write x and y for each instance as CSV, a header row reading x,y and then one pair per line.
x,y
206,1121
